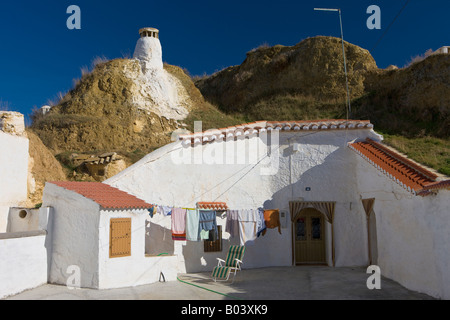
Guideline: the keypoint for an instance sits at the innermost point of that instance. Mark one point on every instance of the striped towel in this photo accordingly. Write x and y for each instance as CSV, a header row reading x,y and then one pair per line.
x,y
178,224
179,237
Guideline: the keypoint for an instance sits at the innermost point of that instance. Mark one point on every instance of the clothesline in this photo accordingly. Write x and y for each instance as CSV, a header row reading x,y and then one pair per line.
x,y
196,224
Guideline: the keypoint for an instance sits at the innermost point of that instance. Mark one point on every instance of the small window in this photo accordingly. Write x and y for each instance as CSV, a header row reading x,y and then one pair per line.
x,y
120,237
316,228
301,230
214,245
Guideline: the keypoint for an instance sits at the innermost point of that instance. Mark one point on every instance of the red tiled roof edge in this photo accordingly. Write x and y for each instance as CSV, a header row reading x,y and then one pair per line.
x,y
438,185
406,173
106,196
212,205
262,126
401,158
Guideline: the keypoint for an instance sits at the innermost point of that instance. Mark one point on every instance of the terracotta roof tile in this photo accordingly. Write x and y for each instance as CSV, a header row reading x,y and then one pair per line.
x,y
254,128
106,196
405,172
212,205
444,184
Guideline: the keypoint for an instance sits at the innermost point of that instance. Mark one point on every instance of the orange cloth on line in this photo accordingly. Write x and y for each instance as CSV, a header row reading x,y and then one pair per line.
x,y
272,219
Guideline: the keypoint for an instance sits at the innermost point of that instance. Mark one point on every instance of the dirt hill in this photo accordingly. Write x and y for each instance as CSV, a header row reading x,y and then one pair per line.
x,y
42,167
107,111
410,106
306,81
110,110
99,115
109,120
312,68
412,101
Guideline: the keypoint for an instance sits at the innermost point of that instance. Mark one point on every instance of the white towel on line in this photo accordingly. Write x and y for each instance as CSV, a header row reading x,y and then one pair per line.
x,y
247,226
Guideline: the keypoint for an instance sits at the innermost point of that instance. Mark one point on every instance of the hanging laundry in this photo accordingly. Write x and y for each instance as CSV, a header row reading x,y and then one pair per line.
x,y
204,235
272,220
192,225
232,224
178,224
247,226
260,222
151,211
207,221
165,210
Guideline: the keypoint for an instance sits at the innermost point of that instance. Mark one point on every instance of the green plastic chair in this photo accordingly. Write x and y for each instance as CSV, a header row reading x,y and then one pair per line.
x,y
232,264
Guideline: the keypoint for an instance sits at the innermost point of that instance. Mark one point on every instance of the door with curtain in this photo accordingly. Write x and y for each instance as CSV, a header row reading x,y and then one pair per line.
x,y
309,237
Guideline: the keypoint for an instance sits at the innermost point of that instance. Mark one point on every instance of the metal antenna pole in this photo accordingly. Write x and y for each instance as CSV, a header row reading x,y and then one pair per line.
x,y
345,67
349,108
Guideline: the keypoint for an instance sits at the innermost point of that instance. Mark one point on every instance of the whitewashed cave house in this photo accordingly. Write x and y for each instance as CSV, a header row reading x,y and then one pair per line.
x,y
98,238
345,198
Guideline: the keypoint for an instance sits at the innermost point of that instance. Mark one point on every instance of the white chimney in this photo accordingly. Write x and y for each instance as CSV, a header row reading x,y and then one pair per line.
x,y
148,50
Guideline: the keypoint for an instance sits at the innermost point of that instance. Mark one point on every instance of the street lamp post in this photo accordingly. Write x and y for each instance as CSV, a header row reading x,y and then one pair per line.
x,y
349,110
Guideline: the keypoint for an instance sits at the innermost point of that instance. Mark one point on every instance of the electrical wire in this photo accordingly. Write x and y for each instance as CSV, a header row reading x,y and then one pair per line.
x,y
297,135
389,26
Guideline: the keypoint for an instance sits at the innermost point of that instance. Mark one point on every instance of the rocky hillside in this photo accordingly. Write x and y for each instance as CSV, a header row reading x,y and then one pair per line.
x,y
410,106
101,114
412,101
306,81
112,109
312,68
117,108
42,167
115,115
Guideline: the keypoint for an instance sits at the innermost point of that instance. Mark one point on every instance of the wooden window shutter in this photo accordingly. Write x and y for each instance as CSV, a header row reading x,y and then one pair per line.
x,y
120,237
214,246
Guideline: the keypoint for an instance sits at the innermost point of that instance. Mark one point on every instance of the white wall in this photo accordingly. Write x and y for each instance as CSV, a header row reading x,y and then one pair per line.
x,y
23,219
136,269
323,164
413,233
13,174
23,263
74,236
80,234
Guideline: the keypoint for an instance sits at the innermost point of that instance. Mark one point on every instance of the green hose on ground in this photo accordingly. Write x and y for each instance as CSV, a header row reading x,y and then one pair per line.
x,y
224,294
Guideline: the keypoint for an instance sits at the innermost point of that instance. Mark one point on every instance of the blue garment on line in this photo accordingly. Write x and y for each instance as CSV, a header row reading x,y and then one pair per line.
x,y
207,220
260,222
151,211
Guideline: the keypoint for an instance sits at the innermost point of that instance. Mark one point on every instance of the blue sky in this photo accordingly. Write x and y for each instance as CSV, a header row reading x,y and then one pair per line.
x,y
40,56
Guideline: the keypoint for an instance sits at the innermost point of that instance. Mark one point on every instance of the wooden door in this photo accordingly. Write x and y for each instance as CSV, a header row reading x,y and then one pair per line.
x,y
309,238
120,237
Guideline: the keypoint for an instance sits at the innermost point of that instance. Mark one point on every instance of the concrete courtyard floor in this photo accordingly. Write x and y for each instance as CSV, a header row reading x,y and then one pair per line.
x,y
276,283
